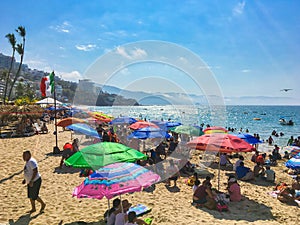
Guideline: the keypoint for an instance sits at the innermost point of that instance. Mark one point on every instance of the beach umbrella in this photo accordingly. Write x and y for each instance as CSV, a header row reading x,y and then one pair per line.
x,y
68,121
292,150
102,154
222,143
116,179
215,129
293,163
249,138
100,115
148,132
295,151
165,124
189,130
142,124
84,129
123,120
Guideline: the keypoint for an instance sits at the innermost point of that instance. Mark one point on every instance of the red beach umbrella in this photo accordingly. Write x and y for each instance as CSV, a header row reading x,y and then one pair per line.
x,y
224,143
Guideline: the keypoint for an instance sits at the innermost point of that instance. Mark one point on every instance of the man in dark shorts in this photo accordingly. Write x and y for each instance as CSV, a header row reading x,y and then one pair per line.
x,y
33,180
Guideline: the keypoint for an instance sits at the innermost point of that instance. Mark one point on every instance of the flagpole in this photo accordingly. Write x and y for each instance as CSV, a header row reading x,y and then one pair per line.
x,y
55,148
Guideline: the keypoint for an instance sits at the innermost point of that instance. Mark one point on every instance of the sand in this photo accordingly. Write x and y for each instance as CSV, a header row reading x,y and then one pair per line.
x,y
169,205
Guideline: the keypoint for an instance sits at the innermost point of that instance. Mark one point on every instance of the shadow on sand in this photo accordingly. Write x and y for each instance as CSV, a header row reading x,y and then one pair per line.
x,y
150,189
11,176
101,222
24,219
172,188
247,209
66,169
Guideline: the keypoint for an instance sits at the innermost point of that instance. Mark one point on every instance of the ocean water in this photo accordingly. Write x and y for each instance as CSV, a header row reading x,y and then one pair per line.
x,y
239,117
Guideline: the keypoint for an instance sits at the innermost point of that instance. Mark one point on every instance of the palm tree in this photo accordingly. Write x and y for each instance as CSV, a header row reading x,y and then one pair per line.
x,y
12,40
20,49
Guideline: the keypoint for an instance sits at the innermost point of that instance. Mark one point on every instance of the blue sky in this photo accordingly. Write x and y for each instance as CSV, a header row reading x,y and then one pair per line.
x,y
251,47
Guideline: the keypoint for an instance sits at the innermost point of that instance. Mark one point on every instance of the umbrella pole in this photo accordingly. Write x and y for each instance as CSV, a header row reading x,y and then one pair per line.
x,y
121,205
219,172
108,210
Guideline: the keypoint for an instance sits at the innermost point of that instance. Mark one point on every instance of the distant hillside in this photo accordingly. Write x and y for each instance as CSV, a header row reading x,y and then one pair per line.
x,y
66,90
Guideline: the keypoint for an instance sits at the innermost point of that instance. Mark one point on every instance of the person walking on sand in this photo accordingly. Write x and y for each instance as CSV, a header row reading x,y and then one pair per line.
x,y
33,180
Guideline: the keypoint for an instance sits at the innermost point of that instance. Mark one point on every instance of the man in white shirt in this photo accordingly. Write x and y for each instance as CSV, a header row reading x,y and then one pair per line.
x,y
33,180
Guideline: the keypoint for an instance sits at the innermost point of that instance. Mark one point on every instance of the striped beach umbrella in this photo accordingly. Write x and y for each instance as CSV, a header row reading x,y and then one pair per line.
x,y
116,179
293,163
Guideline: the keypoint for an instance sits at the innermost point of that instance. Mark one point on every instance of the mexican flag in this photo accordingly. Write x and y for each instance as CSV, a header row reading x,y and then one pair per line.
x,y
47,85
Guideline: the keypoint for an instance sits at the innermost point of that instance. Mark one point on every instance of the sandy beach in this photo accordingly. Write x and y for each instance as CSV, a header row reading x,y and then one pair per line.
x,y
169,205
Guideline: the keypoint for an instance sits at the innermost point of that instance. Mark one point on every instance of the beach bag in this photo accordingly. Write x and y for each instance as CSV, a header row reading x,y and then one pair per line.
x,y
222,202
222,206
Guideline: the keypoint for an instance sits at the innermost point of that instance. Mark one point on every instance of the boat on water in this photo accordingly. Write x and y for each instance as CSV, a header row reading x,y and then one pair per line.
x,y
284,122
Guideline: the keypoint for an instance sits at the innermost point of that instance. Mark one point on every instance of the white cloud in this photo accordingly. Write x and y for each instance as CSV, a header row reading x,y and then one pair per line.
x,y
86,48
133,54
116,34
125,72
245,71
239,8
63,28
70,76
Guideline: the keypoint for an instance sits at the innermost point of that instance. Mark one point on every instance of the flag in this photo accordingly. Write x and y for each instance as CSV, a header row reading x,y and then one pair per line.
x,y
47,85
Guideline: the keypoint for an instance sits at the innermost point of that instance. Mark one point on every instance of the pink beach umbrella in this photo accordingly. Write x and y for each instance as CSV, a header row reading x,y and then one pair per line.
x,y
116,179
142,124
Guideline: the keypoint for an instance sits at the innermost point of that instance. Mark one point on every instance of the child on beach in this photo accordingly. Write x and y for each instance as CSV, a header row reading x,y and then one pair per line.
x,y
192,179
196,185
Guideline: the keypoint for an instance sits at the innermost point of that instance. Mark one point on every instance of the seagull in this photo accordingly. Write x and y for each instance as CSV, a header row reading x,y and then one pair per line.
x,y
286,89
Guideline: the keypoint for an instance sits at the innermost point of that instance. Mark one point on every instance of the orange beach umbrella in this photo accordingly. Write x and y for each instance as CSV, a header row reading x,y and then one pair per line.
x,y
68,121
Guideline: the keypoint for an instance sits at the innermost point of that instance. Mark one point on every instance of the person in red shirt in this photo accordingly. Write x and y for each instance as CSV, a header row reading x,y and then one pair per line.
x,y
261,159
67,152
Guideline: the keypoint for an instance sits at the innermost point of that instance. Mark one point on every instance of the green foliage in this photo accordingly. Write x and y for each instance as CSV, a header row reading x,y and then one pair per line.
x,y
23,101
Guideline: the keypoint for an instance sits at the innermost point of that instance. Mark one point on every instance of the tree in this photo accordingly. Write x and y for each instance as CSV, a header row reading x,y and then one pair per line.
x,y
20,49
12,40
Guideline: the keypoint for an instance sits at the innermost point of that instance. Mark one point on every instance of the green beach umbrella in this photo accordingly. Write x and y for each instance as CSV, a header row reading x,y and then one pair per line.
x,y
102,154
190,130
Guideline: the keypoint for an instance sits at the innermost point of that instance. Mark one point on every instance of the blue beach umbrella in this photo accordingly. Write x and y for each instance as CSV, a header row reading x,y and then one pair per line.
x,y
166,124
249,138
123,120
294,163
148,132
84,129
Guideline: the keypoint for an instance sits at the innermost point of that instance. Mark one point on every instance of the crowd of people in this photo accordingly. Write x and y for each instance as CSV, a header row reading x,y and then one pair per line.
x,y
204,195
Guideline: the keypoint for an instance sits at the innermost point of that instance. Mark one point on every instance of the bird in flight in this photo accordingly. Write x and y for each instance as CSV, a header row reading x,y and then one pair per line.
x,y
286,89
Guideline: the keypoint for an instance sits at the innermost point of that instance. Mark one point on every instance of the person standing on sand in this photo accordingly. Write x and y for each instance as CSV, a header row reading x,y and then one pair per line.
x,y
33,180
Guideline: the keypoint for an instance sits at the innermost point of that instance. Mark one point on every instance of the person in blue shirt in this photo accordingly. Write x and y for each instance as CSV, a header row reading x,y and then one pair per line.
x,y
244,173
